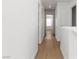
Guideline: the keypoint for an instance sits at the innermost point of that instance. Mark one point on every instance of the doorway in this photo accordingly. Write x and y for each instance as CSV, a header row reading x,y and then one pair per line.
x,y
49,22
49,26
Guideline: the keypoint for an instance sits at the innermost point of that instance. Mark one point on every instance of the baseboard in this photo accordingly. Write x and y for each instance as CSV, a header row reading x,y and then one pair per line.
x,y
58,42
41,40
34,56
62,52
57,39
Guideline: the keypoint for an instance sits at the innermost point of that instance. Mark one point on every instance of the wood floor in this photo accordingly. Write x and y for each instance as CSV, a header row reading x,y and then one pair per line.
x,y
49,49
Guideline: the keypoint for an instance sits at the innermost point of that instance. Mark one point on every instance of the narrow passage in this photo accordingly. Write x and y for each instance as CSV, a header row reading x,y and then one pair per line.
x,y
49,49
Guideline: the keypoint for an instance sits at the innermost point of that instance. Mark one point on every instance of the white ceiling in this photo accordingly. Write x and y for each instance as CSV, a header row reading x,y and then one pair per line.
x,y
53,3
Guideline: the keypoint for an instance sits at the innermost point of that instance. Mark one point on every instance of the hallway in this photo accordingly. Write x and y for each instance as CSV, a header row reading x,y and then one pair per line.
x,y
49,48
26,30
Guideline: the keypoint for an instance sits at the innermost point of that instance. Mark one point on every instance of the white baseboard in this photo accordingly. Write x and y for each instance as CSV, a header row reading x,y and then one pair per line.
x,y
40,41
57,39
35,53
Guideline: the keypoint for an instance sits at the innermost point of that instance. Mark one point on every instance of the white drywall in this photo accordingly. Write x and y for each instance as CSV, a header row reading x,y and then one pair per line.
x,y
41,22
67,37
20,29
63,17
69,42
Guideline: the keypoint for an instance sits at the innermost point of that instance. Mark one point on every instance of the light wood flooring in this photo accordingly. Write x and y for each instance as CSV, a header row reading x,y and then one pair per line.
x,y
49,49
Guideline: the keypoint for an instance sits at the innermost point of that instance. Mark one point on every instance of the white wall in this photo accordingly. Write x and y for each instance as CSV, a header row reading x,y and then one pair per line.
x,y
41,22
20,29
63,17
69,42
67,38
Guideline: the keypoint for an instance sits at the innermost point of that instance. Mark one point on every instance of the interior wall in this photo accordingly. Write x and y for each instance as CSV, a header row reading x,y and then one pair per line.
x,y
68,44
41,22
63,15
20,29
